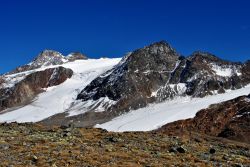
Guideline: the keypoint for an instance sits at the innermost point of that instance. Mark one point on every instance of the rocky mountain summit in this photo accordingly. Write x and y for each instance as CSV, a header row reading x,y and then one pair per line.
x,y
49,58
134,79
157,72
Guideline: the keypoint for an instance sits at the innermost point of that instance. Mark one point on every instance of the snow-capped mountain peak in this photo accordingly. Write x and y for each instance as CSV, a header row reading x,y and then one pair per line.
x,y
48,57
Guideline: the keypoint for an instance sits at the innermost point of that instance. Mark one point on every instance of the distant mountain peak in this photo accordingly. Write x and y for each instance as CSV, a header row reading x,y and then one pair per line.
x,y
48,54
48,57
159,43
160,48
202,56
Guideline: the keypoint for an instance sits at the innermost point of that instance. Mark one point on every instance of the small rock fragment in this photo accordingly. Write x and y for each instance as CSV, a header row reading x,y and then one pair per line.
x,y
212,151
177,149
181,150
34,159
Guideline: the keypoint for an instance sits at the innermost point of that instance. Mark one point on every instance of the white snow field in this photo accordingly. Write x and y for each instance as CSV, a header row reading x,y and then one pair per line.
x,y
157,115
59,98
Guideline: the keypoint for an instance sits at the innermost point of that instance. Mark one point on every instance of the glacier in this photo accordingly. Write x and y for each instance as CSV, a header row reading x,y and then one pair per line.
x,y
59,98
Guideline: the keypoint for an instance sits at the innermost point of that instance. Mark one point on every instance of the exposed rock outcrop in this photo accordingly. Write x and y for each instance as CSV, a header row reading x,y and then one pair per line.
x,y
33,84
1,80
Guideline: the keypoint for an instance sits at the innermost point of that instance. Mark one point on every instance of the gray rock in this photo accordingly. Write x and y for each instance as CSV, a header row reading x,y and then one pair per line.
x,y
4,146
177,149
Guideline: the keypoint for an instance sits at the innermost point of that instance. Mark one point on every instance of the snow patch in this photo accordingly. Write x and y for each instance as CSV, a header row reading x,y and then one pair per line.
x,y
147,72
247,99
241,115
154,93
180,87
225,71
11,80
99,105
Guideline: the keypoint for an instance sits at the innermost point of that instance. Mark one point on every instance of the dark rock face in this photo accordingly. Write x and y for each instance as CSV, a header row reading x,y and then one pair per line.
x,y
1,80
33,84
157,72
230,119
246,72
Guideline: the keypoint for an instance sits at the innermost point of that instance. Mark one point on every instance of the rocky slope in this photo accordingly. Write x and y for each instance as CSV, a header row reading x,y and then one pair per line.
x,y
156,73
35,145
230,119
25,90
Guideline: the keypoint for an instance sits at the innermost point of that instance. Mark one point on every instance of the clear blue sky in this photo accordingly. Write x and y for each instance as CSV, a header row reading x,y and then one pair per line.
x,y
113,27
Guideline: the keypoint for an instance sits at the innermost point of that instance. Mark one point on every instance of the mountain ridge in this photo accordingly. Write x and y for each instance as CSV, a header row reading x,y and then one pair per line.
x,y
100,90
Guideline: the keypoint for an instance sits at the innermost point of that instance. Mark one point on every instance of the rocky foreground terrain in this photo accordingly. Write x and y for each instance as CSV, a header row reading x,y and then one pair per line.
x,y
36,145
